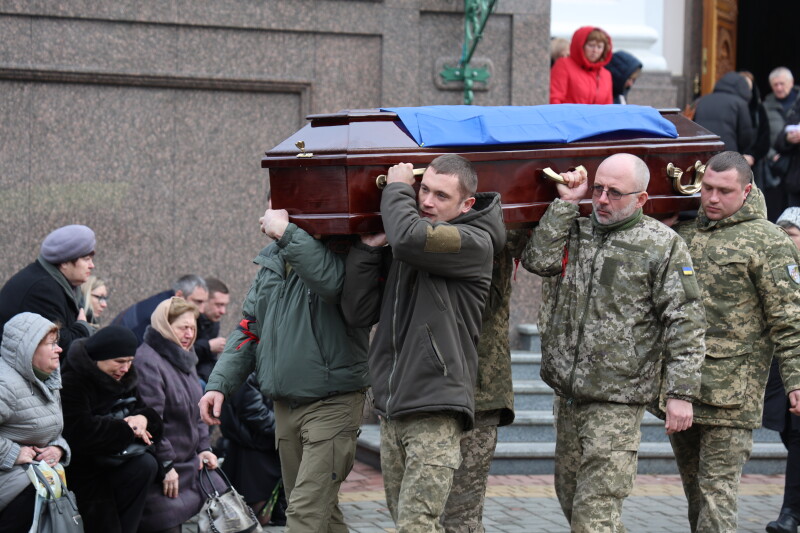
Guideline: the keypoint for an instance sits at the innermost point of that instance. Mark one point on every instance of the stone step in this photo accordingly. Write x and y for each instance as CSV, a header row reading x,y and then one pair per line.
x,y
537,426
529,337
532,395
531,458
525,365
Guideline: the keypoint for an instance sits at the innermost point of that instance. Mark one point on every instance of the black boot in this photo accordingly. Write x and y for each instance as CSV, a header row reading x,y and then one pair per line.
x,y
787,522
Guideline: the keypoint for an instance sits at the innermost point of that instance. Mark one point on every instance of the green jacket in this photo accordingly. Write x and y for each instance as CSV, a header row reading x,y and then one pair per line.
x,y
494,390
745,267
423,356
618,302
304,350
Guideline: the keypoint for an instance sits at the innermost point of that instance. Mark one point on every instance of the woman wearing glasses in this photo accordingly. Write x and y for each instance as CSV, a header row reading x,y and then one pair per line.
x,y
30,413
581,77
95,299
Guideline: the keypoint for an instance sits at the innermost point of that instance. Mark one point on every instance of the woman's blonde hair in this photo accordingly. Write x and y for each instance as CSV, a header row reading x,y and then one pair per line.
x,y
179,306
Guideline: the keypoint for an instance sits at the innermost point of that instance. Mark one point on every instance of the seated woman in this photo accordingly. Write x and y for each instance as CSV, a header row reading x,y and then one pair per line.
x,y
98,381
30,413
168,383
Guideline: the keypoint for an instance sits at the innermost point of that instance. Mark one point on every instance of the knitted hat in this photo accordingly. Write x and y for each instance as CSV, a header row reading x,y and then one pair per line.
x,y
111,342
791,215
68,243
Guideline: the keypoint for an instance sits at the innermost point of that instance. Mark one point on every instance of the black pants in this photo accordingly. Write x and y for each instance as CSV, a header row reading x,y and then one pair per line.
x,y
791,489
112,500
18,515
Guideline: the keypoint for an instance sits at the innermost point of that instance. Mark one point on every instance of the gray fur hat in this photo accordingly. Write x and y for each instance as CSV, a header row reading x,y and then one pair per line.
x,y
790,216
68,243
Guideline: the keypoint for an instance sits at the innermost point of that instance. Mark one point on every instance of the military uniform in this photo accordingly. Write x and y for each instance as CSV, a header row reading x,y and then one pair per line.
x,y
619,302
494,397
747,269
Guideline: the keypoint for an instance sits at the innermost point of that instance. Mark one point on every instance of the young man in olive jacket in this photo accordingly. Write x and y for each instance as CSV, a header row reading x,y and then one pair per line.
x,y
423,358
312,364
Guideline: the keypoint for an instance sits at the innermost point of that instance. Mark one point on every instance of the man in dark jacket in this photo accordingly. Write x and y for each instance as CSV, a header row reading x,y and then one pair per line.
x,y
308,360
209,344
50,285
423,358
726,113
137,317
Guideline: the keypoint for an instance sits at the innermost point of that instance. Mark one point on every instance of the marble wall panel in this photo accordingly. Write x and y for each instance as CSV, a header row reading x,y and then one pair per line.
x,y
347,73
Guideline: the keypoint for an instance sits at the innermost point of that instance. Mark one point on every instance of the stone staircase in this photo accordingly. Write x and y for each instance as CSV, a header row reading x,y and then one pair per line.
x,y
528,445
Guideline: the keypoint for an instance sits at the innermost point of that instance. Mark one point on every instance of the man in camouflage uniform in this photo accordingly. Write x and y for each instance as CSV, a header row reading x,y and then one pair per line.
x,y
494,397
620,300
423,358
747,269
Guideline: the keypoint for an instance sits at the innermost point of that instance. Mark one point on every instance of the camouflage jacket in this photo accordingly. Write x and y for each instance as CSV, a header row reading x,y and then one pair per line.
x,y
493,389
619,302
747,269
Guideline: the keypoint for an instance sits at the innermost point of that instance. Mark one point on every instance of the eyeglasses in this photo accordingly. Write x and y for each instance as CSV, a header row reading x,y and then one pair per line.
x,y
53,345
101,299
613,194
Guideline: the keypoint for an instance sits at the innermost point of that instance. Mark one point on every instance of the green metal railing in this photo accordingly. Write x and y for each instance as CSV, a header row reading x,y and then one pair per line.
x,y
476,13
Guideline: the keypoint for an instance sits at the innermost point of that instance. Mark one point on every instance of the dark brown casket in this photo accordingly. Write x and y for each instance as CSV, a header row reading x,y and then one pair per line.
x,y
325,174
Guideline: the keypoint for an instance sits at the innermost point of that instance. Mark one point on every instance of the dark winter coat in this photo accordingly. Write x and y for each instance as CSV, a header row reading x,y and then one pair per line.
x,y
726,112
206,359
622,66
776,405
137,317
41,288
168,383
792,151
574,80
248,418
88,396
423,357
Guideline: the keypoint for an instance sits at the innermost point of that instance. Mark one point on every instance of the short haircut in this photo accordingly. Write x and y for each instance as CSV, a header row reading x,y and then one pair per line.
x,y
188,283
454,164
599,35
641,173
179,306
724,161
781,71
214,285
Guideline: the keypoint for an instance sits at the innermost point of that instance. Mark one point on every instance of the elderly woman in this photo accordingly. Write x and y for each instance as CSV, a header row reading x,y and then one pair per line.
x,y
95,299
30,413
103,417
168,383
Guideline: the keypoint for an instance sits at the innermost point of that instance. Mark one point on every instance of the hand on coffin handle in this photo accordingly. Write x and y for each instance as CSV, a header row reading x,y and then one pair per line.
x,y
572,185
274,222
382,180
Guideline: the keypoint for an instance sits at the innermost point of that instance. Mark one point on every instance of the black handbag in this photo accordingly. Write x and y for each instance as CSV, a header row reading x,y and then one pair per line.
x,y
120,409
226,512
55,514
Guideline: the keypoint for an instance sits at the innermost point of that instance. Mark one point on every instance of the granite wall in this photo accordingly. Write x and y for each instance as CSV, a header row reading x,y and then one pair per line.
x,y
147,119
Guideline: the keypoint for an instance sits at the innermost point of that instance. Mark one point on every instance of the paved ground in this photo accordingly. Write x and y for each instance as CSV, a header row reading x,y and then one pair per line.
x,y
528,504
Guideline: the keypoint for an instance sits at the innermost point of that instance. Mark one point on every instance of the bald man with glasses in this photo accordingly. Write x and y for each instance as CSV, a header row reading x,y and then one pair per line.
x,y
620,301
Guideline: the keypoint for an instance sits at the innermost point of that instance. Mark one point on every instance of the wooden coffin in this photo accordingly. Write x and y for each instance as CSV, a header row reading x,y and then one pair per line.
x,y
325,174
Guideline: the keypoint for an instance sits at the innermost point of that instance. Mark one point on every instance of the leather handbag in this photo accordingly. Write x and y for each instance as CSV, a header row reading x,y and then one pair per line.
x,y
226,512
54,514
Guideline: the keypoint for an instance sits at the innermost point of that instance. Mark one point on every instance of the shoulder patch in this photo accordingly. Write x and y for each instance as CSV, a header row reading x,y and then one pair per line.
x,y
687,271
443,239
794,273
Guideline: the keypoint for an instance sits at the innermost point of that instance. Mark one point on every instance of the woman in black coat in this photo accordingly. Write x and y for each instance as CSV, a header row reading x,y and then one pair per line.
x,y
251,460
98,379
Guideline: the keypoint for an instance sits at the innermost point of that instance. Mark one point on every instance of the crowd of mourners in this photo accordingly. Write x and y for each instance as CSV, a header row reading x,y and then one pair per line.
x,y
689,318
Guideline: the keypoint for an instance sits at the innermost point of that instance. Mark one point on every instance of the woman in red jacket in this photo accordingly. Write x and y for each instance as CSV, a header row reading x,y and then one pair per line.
x,y
581,77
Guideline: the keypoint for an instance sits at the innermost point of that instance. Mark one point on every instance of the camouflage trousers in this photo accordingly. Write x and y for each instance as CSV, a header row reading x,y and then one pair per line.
x,y
419,455
597,448
710,460
463,512
317,447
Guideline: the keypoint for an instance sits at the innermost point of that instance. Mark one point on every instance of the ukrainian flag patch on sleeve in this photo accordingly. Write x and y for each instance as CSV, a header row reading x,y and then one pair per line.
x,y
687,271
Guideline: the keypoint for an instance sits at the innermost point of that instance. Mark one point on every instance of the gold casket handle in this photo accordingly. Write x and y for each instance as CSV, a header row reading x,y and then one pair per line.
x,y
549,173
380,181
675,174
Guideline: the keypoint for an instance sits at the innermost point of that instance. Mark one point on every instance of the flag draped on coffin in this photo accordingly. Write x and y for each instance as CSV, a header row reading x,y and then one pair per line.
x,y
463,125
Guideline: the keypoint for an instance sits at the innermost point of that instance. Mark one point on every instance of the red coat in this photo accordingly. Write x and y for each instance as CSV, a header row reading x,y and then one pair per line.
x,y
574,80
